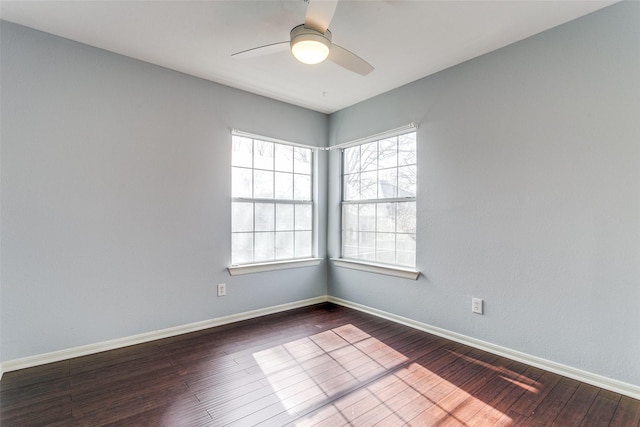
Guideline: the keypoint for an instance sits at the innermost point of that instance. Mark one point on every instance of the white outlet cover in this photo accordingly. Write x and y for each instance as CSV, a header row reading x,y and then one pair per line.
x,y
222,289
476,305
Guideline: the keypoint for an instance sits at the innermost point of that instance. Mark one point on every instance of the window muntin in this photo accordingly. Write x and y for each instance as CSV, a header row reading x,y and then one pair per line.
x,y
379,201
272,206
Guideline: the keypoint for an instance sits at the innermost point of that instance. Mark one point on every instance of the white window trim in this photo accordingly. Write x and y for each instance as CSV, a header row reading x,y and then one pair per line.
x,y
389,270
411,127
237,270
274,140
363,265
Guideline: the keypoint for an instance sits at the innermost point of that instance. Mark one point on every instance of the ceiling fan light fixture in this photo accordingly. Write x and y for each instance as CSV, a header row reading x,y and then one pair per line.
x,y
310,51
310,46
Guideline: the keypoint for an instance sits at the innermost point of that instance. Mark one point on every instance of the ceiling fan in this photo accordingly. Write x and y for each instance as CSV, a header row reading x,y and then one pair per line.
x,y
310,43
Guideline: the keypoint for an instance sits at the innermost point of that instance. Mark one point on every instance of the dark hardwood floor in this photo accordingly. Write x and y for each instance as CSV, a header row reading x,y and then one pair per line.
x,y
321,365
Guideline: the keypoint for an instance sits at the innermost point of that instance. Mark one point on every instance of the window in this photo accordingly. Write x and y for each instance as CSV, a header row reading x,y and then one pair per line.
x,y
379,201
272,206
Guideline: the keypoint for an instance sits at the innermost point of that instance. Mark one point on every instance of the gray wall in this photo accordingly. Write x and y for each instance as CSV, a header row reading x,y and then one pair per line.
x,y
115,191
528,195
116,196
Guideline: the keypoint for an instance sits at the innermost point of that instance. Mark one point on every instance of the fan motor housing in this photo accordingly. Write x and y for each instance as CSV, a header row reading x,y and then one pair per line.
x,y
308,45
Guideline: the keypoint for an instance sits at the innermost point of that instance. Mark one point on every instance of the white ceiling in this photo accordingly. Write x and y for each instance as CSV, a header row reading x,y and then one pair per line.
x,y
403,40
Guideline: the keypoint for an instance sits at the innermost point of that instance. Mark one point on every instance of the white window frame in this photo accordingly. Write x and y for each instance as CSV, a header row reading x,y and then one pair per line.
x,y
354,262
278,264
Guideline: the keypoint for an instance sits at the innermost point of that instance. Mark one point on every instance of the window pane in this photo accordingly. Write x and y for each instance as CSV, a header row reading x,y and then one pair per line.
x,y
406,217
367,217
386,248
265,216
406,259
369,156
386,217
241,248
263,155
302,160
284,158
284,217
302,187
352,187
351,158
241,216
242,182
303,217
406,242
367,246
406,250
388,153
265,250
407,149
284,245
303,244
368,185
242,152
388,184
350,244
350,217
263,184
284,186
407,181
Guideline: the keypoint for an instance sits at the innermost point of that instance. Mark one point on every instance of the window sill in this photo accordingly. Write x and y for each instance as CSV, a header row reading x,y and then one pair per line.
x,y
237,270
404,273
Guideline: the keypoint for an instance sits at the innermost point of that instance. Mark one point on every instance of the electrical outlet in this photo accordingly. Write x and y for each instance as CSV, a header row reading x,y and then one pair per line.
x,y
476,305
222,289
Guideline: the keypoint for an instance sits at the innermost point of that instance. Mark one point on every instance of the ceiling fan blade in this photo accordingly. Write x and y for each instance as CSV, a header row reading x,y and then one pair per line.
x,y
349,60
319,14
262,50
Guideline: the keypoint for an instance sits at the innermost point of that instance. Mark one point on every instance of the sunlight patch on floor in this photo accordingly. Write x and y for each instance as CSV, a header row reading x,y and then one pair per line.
x,y
527,387
327,371
308,371
519,380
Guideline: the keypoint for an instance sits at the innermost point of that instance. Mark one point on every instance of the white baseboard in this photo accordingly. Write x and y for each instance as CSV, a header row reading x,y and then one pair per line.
x,y
626,389
56,356
616,386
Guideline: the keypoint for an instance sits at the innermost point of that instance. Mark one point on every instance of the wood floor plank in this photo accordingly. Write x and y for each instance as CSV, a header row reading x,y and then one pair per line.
x,y
116,410
181,416
460,386
422,382
383,390
36,375
627,413
520,379
218,395
602,410
241,408
528,402
328,415
54,409
31,395
323,365
574,411
483,388
553,403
